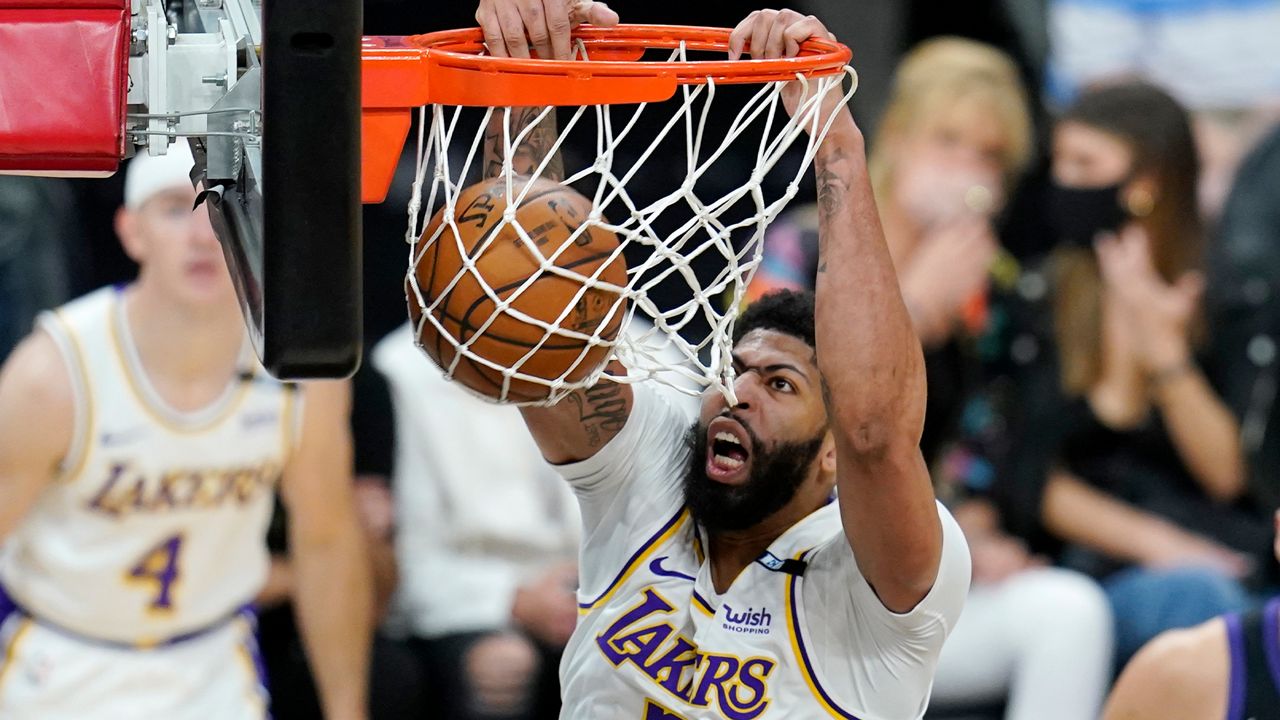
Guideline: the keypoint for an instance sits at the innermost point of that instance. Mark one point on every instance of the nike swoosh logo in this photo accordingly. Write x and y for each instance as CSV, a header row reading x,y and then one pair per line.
x,y
110,439
656,568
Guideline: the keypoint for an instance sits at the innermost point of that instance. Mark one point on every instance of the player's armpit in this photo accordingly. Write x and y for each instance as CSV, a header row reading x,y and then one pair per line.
x,y
577,427
37,424
1180,675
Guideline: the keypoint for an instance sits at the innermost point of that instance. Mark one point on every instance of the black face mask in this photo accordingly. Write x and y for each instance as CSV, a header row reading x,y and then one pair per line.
x,y
1079,214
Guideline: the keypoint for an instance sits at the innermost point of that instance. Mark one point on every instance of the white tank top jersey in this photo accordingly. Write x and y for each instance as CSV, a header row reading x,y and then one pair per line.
x,y
799,634
156,525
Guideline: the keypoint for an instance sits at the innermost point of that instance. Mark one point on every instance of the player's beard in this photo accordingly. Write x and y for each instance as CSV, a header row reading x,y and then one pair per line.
x,y
776,474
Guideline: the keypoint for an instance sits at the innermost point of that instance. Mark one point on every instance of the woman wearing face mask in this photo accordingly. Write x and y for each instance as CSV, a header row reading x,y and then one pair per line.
x,y
1148,488
955,136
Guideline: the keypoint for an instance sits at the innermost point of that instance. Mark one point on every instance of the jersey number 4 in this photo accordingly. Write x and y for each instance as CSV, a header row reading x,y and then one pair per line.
x,y
159,568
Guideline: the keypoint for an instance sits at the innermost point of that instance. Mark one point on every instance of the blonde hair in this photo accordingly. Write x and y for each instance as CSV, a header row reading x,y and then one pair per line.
x,y
936,75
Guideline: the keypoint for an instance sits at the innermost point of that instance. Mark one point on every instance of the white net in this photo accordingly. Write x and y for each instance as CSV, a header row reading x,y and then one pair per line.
x,y
698,240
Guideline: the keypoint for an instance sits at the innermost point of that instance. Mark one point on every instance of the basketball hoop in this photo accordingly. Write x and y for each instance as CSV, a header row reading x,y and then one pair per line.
x,y
613,89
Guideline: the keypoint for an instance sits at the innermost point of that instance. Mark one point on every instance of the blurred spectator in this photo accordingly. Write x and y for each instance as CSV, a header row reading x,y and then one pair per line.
x,y
486,541
953,140
1217,57
880,32
37,226
1145,475
396,688
1229,662
1244,283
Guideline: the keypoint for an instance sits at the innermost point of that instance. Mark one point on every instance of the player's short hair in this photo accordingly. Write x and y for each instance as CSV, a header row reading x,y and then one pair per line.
x,y
785,311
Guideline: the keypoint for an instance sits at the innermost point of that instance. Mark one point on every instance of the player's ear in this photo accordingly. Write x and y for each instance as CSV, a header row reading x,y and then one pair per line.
x,y
126,224
827,455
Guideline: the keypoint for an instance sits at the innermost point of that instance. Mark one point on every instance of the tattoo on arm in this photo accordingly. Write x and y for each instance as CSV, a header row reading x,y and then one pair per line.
x,y
601,409
833,193
526,156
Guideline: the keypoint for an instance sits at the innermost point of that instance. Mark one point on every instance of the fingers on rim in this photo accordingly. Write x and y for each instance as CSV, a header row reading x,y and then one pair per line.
x,y
492,32
535,25
805,28
775,43
513,38
602,14
741,33
558,25
760,32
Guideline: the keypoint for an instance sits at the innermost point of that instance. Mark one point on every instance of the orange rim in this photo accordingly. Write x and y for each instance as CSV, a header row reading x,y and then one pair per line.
x,y
452,62
451,68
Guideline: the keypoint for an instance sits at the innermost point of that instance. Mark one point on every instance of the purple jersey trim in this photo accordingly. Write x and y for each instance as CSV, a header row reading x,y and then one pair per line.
x,y
635,557
804,651
703,602
255,654
7,606
1271,640
1239,673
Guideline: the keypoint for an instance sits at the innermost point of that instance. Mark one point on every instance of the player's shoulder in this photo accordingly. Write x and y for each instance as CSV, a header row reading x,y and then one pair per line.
x,y
1180,673
37,400
1184,653
36,373
86,310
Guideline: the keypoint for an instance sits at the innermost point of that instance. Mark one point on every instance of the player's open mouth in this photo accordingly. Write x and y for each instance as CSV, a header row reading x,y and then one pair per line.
x,y
728,451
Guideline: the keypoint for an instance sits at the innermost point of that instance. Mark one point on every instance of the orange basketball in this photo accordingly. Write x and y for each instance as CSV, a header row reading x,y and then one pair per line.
x,y
549,214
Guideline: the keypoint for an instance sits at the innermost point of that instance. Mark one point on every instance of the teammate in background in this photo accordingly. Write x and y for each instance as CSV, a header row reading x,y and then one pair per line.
x,y
1226,668
140,445
721,574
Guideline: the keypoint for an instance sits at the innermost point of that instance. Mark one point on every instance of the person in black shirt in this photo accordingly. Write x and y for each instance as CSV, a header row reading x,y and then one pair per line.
x,y
1143,482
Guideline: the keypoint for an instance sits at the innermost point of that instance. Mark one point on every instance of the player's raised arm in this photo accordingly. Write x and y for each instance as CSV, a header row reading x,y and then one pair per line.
x,y
868,353
331,574
37,419
579,425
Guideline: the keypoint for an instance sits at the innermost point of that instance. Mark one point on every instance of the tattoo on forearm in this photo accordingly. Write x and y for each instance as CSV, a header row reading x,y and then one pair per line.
x,y
602,408
527,155
833,194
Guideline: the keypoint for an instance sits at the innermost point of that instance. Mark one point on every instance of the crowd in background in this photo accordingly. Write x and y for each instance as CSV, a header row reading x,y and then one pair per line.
x,y
1079,198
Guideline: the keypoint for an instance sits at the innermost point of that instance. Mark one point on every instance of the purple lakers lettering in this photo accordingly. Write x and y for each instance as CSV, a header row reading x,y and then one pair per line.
x,y
127,490
643,637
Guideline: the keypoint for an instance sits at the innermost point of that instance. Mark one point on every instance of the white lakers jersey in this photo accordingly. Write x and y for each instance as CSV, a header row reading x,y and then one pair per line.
x,y
799,634
156,526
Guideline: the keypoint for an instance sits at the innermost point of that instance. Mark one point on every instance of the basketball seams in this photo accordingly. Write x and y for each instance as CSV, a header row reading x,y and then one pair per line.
x,y
511,286
542,360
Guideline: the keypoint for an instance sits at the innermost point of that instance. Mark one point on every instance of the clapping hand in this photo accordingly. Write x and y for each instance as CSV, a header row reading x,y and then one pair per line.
x,y
1157,313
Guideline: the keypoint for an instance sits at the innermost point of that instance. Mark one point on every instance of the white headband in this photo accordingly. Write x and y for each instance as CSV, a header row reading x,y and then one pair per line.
x,y
147,174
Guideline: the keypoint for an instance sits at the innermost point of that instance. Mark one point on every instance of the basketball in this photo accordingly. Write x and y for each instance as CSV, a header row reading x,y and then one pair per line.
x,y
550,213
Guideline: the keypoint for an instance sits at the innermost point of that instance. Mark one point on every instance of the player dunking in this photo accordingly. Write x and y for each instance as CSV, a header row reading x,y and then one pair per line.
x,y
140,447
784,557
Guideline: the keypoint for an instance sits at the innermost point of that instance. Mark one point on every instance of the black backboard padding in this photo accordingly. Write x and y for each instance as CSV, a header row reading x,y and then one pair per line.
x,y
311,187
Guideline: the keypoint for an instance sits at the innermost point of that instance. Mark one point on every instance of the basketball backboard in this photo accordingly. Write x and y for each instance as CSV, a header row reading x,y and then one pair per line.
x,y
283,198
269,98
